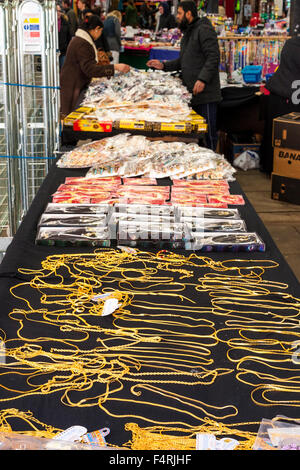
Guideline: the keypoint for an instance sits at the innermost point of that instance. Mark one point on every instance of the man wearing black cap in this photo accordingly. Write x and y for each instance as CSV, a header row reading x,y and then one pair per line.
x,y
199,65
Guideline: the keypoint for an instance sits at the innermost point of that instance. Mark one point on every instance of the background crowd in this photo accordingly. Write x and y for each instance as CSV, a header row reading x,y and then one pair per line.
x,y
109,44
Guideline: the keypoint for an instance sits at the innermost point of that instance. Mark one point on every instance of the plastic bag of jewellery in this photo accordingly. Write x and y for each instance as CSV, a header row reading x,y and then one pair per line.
x,y
224,241
279,433
75,236
202,212
61,208
196,225
14,441
146,209
73,220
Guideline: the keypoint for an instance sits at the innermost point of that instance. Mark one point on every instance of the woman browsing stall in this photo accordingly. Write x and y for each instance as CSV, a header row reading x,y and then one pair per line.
x,y
81,64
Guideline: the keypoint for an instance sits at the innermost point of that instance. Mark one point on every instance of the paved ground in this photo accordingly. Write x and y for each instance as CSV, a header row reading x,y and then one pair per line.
x,y
281,219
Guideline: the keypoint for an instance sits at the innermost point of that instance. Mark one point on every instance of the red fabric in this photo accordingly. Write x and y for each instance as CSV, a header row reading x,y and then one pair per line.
x,y
230,8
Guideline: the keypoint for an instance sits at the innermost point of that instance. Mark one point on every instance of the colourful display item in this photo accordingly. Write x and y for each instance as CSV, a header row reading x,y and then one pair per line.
x,y
53,208
91,125
234,199
93,181
252,73
223,241
71,199
139,181
200,183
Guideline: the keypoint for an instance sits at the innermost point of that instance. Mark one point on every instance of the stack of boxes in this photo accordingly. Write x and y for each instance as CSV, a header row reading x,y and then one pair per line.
x,y
286,162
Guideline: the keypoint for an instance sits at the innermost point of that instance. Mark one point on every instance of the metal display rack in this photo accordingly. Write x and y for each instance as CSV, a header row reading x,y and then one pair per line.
x,y
29,104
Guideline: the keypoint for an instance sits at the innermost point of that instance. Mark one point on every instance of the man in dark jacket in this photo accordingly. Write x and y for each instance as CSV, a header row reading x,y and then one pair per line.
x,y
199,64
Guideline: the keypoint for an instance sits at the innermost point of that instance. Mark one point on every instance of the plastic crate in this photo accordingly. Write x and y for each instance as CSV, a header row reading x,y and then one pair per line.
x,y
252,73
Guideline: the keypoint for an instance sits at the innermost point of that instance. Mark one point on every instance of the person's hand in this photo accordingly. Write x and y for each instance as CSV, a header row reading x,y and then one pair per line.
x,y
155,64
122,68
198,87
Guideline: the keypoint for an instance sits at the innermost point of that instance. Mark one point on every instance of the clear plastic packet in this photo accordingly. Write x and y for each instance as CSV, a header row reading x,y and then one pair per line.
x,y
196,225
144,192
224,241
201,190
140,181
199,183
67,199
72,220
202,212
74,236
144,199
61,208
232,199
280,433
74,181
15,441
152,230
148,218
82,191
149,209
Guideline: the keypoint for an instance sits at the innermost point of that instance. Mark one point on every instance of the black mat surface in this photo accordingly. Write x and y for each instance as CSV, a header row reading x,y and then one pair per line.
x,y
49,409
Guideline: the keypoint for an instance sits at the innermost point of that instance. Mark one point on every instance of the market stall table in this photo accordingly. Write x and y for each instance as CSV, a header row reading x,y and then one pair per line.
x,y
261,288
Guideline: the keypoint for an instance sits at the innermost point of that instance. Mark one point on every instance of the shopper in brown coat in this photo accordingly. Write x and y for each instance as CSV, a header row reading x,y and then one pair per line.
x,y
81,64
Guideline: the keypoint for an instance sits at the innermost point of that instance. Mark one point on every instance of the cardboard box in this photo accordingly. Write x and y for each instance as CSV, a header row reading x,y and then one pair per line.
x,y
286,162
235,149
286,130
285,189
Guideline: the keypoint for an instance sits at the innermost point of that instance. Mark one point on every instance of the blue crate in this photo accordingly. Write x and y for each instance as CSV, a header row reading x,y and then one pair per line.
x,y
268,75
252,73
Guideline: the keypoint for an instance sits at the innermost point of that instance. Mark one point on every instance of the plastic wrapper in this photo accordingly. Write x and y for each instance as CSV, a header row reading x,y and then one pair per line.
x,y
74,199
14,441
147,218
70,190
145,200
194,203
280,433
195,225
77,180
158,191
185,198
73,236
224,241
222,170
202,190
88,188
199,183
150,96
232,199
213,213
151,230
73,220
149,209
152,234
61,208
140,181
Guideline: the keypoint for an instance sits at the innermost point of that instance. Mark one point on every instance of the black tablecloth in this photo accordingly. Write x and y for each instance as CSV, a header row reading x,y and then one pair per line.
x,y
48,408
